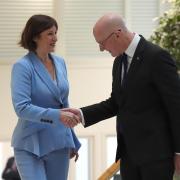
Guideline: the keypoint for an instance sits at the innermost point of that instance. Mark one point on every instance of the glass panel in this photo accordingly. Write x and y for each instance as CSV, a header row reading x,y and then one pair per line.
x,y
80,13
82,165
111,151
1,165
144,24
5,152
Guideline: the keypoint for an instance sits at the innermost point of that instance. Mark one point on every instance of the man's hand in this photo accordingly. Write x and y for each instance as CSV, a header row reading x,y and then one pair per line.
x,y
177,164
74,111
69,119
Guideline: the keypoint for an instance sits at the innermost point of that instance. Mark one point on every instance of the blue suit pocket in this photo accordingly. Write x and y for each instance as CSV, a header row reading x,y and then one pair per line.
x,y
32,128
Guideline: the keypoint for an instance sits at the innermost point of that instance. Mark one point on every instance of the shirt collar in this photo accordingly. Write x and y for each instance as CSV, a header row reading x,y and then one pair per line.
x,y
133,45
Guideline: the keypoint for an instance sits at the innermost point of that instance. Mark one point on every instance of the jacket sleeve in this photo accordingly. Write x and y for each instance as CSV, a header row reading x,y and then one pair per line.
x,y
21,98
100,111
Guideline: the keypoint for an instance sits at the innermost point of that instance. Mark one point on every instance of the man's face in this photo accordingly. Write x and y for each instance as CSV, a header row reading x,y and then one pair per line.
x,y
110,42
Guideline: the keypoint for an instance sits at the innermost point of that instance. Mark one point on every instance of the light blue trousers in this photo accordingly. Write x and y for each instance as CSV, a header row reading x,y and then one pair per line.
x,y
53,166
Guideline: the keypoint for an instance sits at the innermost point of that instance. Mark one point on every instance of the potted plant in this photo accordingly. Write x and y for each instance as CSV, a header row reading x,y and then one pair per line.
x,y
167,33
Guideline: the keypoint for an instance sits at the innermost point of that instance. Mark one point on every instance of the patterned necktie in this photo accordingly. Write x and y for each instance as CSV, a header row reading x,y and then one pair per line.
x,y
125,65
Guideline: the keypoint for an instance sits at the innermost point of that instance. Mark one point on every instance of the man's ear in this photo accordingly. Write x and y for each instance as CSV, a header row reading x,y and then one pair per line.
x,y
118,33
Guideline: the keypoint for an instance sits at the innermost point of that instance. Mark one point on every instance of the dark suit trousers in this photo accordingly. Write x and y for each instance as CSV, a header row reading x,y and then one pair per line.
x,y
155,170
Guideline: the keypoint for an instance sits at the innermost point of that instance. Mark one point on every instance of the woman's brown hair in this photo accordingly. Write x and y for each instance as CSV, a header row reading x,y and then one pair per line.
x,y
34,26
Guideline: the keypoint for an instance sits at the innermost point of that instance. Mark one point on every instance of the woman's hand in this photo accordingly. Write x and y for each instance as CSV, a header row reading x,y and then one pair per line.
x,y
69,119
74,153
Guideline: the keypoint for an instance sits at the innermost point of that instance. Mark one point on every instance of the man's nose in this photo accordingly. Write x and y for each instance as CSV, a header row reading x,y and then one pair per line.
x,y
101,47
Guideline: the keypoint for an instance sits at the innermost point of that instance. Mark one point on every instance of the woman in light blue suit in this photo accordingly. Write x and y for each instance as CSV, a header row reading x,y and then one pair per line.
x,y
42,143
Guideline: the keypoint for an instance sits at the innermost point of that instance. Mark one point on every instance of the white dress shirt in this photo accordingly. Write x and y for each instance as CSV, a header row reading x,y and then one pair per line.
x,y
130,52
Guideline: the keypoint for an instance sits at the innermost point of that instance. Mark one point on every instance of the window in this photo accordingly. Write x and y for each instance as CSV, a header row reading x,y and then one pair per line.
x,y
142,15
79,18
13,16
5,152
83,164
111,149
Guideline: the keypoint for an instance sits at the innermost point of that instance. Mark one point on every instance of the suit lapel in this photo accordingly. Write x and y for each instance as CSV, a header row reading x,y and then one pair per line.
x,y
45,76
131,75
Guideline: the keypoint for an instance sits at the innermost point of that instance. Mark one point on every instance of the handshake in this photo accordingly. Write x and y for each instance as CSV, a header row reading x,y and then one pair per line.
x,y
70,117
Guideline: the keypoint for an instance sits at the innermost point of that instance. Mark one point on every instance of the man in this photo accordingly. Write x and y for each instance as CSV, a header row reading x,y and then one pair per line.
x,y
146,100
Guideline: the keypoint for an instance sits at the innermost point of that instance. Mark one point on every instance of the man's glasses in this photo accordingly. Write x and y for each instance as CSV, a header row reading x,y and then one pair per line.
x,y
102,43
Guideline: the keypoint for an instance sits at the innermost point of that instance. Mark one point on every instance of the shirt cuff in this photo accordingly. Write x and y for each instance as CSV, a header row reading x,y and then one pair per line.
x,y
82,117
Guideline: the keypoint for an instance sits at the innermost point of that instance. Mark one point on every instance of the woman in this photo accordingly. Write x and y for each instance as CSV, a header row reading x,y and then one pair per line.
x,y
42,144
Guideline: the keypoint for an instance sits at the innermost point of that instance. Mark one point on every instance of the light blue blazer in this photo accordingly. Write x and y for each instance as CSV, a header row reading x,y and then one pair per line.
x,y
37,101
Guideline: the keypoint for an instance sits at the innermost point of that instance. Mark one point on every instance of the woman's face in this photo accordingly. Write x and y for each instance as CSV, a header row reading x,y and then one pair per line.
x,y
46,41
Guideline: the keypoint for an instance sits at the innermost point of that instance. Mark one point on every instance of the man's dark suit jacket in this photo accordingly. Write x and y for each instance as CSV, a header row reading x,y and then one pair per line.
x,y
147,105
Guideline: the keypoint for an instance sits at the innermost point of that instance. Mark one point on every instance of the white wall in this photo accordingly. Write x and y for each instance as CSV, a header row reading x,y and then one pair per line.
x,y
8,118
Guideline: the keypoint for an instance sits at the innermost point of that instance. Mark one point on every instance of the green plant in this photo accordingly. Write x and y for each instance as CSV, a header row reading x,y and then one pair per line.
x,y
176,177
167,34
